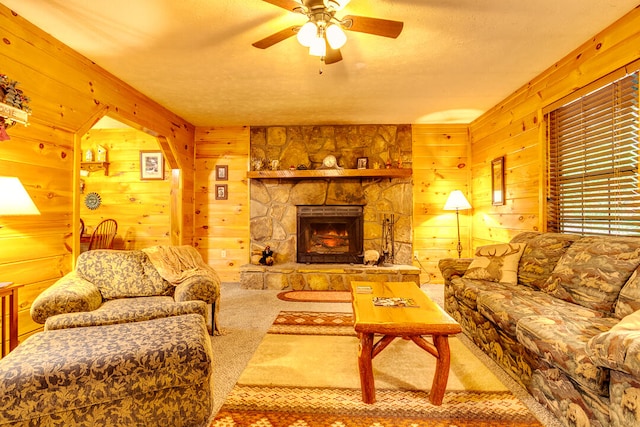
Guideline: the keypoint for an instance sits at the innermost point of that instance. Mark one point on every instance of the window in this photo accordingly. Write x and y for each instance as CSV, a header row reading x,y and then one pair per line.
x,y
593,185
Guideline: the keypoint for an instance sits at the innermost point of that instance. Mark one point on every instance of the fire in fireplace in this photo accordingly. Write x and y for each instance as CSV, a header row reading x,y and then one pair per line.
x,y
330,234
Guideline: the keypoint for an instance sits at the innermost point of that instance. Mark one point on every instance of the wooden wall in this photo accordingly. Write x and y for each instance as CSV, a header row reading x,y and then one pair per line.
x,y
514,128
222,226
141,208
441,164
68,95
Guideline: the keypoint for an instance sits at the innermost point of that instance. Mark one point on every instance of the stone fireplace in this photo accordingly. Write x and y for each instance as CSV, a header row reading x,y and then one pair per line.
x,y
275,205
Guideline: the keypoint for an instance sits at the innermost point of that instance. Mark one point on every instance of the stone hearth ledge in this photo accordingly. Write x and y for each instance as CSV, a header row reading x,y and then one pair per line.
x,y
321,277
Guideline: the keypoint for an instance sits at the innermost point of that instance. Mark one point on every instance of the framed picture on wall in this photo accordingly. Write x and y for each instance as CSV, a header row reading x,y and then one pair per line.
x,y
221,192
497,181
151,165
222,172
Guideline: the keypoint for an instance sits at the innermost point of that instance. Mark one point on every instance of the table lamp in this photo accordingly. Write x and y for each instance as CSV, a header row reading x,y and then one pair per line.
x,y
457,201
14,199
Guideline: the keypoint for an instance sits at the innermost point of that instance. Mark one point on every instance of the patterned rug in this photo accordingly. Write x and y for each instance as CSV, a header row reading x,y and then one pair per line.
x,y
304,374
315,296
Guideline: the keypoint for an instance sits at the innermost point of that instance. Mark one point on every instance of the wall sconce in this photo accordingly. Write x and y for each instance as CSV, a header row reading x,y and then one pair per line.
x,y
457,201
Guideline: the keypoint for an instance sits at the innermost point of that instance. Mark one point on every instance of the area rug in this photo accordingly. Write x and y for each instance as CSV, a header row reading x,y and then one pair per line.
x,y
315,296
305,374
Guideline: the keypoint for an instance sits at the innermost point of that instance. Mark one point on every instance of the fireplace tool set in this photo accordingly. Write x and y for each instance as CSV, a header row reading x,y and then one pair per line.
x,y
388,240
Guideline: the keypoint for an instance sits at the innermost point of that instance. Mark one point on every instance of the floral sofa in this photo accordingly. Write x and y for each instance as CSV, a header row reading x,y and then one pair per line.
x,y
110,286
149,373
558,313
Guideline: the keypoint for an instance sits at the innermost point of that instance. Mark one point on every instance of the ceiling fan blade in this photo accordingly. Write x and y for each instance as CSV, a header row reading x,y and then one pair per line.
x,y
290,5
276,37
332,56
375,26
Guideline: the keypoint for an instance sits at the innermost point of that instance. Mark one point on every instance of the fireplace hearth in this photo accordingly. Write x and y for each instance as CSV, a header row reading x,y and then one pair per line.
x,y
330,234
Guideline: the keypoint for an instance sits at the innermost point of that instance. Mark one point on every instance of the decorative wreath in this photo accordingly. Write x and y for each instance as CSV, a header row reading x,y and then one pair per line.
x,y
92,201
11,95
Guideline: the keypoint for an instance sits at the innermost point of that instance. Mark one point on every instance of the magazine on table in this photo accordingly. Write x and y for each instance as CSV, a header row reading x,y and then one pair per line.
x,y
394,302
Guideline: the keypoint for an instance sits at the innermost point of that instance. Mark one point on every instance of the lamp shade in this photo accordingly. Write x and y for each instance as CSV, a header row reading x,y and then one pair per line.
x,y
336,4
14,199
318,47
457,201
307,33
335,36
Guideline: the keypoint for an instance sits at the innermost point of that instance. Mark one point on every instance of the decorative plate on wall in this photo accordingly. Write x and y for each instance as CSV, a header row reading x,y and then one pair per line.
x,y
92,201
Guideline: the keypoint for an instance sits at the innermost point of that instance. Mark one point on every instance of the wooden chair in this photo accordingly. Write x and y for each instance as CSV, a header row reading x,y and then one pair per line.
x,y
81,230
103,235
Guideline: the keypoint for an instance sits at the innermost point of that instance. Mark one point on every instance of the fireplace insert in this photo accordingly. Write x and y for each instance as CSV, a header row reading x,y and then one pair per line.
x,y
330,234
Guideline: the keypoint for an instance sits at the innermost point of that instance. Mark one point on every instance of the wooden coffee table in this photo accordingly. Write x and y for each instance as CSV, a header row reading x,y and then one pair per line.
x,y
406,322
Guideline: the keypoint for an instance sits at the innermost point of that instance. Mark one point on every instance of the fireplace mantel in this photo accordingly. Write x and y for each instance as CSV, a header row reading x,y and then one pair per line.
x,y
331,173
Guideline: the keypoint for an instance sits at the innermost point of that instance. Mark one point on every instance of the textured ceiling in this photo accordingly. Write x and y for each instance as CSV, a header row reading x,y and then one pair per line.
x,y
454,59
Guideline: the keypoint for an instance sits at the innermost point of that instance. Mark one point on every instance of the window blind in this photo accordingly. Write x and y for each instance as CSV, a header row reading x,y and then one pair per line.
x,y
593,185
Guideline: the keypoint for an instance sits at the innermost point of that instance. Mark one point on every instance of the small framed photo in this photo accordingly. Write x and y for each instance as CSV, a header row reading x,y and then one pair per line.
x,y
221,192
363,162
222,172
151,165
497,181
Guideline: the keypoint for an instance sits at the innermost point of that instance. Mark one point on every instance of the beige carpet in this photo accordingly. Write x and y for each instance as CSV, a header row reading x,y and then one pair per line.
x,y
304,373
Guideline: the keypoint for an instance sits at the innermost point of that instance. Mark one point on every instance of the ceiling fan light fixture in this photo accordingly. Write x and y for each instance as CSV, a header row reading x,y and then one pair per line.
x,y
318,47
335,36
336,4
307,33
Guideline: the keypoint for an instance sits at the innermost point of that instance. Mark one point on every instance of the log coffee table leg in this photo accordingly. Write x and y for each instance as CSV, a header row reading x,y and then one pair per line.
x,y
366,369
441,376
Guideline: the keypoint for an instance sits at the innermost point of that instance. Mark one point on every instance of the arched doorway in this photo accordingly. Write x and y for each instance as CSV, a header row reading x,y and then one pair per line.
x,y
111,182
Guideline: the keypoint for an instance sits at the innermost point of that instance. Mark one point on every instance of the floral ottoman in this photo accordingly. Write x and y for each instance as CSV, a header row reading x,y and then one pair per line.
x,y
155,372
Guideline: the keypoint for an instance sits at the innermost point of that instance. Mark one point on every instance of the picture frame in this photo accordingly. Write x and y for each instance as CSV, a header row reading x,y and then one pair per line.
x,y
151,165
222,192
498,188
222,172
362,163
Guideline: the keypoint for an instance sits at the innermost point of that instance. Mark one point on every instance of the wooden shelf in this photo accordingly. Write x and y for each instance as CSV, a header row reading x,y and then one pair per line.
x,y
331,173
95,166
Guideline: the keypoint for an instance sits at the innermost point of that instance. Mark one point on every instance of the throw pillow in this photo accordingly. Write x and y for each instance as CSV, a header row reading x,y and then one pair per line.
x,y
629,298
619,347
593,270
541,255
121,274
496,263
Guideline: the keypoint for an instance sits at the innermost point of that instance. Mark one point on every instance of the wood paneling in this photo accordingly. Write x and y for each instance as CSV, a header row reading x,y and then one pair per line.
x,y
440,165
142,209
68,93
222,226
514,128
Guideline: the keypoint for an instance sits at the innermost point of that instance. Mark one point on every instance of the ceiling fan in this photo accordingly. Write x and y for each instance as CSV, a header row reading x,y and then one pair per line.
x,y
323,33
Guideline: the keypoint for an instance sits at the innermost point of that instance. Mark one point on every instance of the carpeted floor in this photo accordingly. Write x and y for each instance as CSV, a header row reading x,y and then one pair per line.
x,y
247,315
304,373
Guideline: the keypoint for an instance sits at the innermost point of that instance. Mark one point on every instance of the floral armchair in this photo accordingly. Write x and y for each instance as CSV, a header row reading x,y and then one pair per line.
x,y
111,287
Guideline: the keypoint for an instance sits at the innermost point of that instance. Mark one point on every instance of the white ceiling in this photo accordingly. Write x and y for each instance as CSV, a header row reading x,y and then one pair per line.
x,y
454,59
